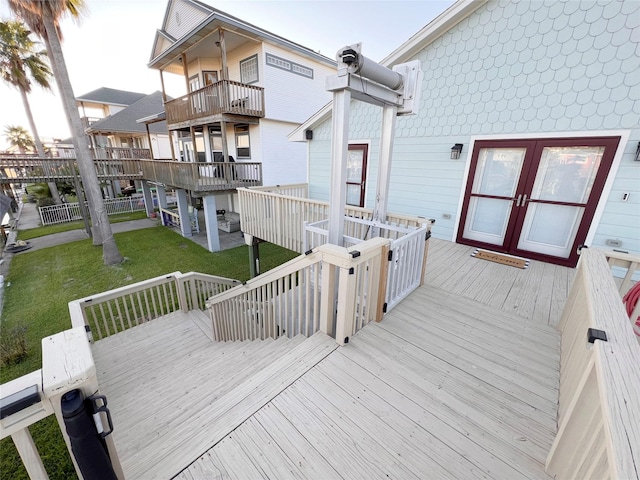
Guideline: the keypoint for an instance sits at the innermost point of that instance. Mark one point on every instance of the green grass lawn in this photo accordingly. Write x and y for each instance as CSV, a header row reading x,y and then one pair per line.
x,y
65,227
41,283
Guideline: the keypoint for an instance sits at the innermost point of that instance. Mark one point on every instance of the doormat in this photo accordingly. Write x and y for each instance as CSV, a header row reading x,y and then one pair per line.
x,y
500,258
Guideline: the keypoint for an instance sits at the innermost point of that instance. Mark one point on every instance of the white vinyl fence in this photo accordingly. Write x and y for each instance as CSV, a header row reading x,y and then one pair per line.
x,y
69,212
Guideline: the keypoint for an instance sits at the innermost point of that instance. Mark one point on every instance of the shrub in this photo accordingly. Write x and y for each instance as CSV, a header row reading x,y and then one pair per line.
x,y
45,202
13,346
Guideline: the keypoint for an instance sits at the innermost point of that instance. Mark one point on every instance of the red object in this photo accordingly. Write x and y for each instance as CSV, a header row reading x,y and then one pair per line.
x,y
630,301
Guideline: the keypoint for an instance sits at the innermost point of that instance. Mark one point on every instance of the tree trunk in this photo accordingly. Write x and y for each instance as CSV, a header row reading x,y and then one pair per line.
x,y
36,138
110,253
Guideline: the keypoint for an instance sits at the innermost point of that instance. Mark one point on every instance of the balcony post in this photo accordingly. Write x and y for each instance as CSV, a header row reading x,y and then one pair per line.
x,y
183,212
211,223
148,197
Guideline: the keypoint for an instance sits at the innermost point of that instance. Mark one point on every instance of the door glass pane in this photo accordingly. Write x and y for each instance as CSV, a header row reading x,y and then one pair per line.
x,y
498,171
550,229
487,220
353,195
354,166
566,174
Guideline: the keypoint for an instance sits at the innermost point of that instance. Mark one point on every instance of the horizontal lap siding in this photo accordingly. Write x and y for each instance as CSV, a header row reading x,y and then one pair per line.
x,y
509,68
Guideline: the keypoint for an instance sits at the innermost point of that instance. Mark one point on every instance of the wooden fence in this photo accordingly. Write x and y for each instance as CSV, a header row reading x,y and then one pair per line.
x,y
599,406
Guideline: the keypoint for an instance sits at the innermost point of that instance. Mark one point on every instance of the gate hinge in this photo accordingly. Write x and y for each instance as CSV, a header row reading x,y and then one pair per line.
x,y
390,255
354,253
384,307
352,271
427,236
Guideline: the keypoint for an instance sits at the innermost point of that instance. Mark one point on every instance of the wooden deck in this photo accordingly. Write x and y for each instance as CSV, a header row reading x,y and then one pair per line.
x,y
445,386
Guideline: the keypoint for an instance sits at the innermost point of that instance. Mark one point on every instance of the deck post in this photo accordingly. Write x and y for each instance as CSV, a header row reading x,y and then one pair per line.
x,y
254,255
346,306
148,198
67,364
211,223
327,300
183,212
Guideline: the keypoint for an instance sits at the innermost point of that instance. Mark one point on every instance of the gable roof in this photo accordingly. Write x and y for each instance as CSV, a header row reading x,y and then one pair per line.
x,y
111,96
126,120
201,21
427,35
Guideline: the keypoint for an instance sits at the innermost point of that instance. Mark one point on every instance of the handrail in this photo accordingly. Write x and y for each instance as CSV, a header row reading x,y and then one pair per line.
x,y
298,297
599,405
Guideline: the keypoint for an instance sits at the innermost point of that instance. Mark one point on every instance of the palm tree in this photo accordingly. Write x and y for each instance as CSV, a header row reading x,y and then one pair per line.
x,y
20,138
43,18
20,63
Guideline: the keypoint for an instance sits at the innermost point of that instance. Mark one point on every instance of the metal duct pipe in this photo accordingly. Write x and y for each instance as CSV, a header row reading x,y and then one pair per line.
x,y
358,63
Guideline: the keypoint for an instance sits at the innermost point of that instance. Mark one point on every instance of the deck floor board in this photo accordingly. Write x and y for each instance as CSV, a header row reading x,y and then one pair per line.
x,y
459,380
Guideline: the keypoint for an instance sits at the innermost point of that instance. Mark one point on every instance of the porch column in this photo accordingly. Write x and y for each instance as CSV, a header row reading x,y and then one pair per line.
x,y
207,144
339,151
162,200
183,212
211,223
389,115
148,197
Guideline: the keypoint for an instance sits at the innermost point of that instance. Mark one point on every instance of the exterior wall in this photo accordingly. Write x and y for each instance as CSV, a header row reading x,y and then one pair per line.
x,y
160,146
290,96
235,56
182,17
282,161
508,69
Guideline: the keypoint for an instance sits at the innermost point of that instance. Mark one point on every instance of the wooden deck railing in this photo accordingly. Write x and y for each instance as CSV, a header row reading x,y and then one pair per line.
x,y
203,176
67,364
223,97
331,289
34,169
111,312
279,218
599,405
171,218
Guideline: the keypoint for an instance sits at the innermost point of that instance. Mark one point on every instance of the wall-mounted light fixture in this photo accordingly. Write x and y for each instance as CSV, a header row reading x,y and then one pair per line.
x,y
455,151
637,159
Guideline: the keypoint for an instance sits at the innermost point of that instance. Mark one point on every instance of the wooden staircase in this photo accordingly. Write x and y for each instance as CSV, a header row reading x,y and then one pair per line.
x,y
173,393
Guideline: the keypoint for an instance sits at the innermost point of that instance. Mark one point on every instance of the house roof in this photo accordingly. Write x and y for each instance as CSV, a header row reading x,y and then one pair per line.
x,y
126,120
167,50
111,96
427,35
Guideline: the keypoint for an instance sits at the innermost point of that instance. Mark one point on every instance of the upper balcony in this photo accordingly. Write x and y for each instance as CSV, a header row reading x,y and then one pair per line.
x,y
225,100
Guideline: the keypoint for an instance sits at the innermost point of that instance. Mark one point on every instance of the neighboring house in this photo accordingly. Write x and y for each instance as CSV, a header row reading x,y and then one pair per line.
x,y
248,89
110,118
123,129
543,98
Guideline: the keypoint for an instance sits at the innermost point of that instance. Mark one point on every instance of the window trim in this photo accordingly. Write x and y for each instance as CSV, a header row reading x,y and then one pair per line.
x,y
246,60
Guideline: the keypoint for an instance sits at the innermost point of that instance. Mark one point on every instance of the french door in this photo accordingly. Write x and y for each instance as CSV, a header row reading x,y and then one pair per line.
x,y
535,198
356,174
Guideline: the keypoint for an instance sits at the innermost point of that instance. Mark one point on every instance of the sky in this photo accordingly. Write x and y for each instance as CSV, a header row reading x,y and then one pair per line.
x,y
111,45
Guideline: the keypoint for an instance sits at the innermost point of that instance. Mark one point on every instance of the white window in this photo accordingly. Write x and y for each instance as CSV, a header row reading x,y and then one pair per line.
x,y
243,147
249,70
